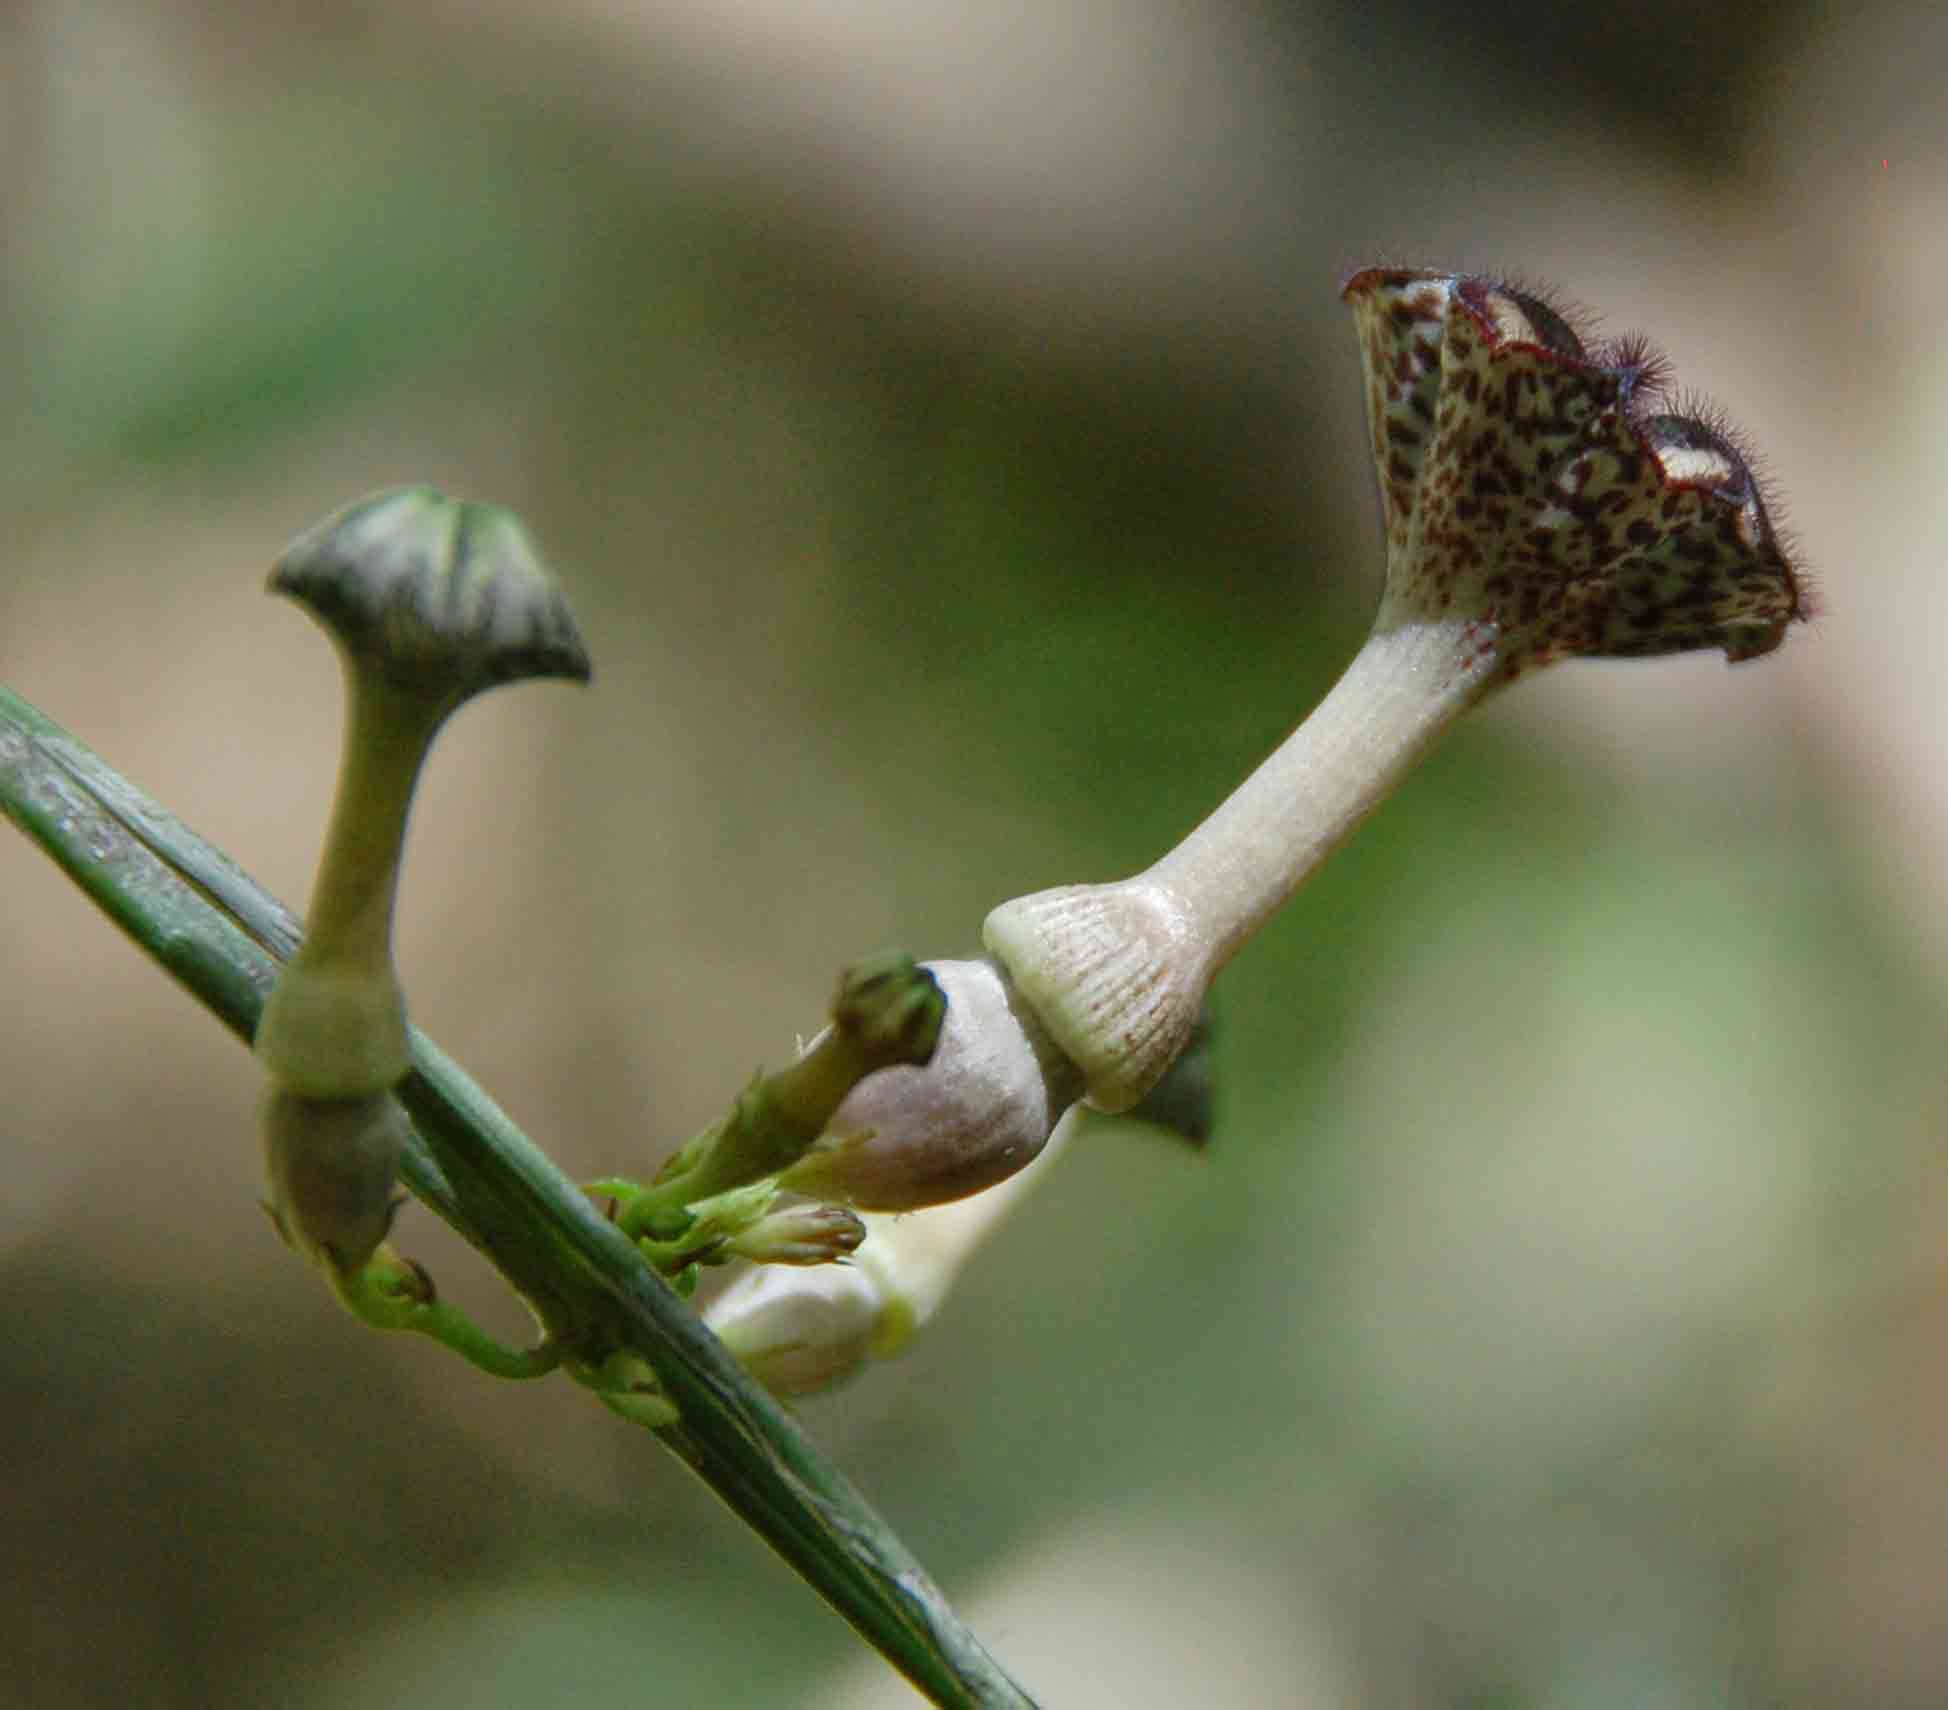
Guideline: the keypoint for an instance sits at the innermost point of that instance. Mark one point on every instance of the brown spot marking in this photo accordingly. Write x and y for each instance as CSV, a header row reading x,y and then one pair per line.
x,y
1531,479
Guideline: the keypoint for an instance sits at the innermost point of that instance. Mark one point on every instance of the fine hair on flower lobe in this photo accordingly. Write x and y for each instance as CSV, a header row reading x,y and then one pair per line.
x,y
1664,422
1723,434
1647,372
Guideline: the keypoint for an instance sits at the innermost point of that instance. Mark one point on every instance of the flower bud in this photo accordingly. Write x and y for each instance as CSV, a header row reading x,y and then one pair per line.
x,y
888,1012
429,602
800,1331
981,1109
330,1165
808,1234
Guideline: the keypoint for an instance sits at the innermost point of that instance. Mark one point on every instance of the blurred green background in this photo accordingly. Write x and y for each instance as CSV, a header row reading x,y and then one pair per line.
x,y
947,427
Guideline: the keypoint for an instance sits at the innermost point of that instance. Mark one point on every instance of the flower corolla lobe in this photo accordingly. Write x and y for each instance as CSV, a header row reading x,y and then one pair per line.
x,y
1537,484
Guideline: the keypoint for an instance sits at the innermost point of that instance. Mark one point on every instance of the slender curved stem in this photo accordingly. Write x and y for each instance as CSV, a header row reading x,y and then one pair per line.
x,y
205,922
391,1293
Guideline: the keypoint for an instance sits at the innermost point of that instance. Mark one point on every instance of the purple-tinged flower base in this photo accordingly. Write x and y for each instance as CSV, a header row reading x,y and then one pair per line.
x,y
1529,481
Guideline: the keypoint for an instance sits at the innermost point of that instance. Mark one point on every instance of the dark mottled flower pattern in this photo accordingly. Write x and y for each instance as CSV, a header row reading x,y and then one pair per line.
x,y
1530,479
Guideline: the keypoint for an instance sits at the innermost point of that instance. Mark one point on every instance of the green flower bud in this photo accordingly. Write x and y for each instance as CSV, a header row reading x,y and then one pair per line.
x,y
331,1165
809,1234
430,601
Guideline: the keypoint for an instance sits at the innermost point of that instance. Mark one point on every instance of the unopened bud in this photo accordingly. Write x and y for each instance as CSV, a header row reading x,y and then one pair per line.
x,y
982,1108
798,1331
888,1011
330,1164
810,1234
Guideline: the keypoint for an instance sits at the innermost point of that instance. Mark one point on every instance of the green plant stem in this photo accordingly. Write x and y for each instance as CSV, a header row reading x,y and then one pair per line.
x,y
207,923
392,1293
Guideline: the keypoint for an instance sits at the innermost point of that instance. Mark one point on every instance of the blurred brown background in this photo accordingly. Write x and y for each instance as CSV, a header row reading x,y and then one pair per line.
x,y
946,425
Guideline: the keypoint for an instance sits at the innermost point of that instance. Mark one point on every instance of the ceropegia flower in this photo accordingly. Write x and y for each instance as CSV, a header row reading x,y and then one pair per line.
x,y
1541,500
430,601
